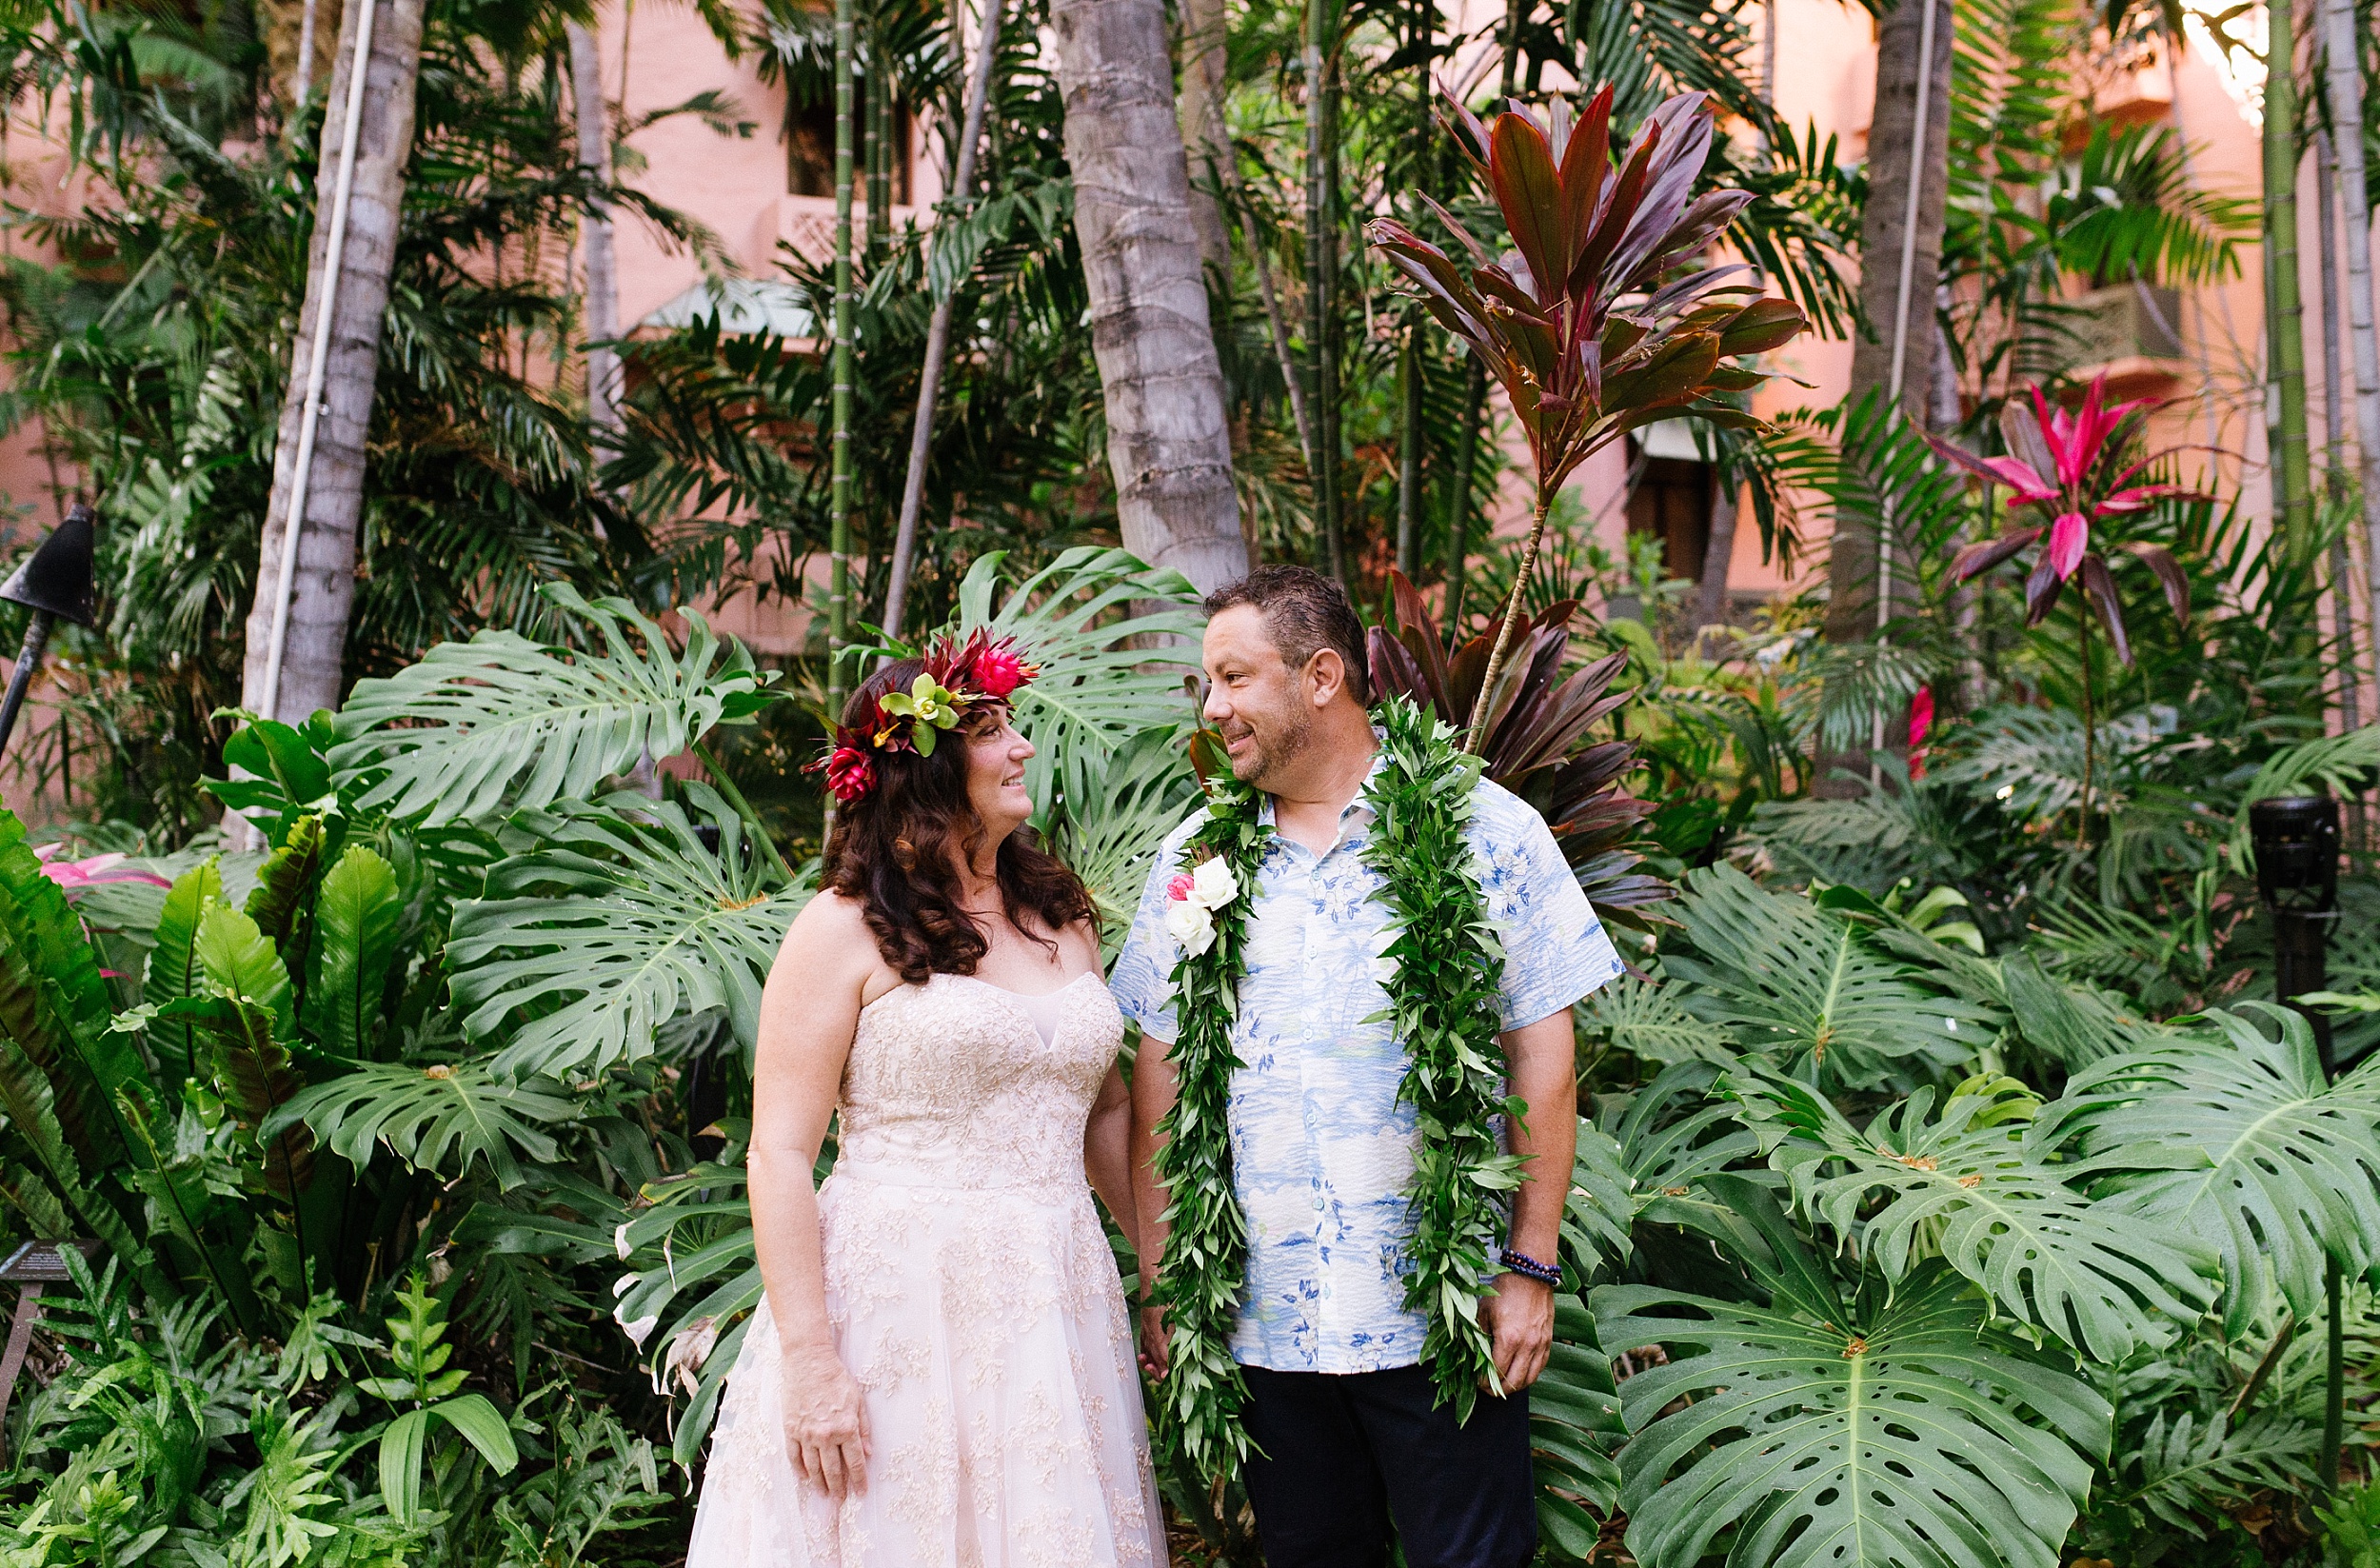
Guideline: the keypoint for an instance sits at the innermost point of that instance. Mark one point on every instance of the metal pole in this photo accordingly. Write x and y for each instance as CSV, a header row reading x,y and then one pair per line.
x,y
27,658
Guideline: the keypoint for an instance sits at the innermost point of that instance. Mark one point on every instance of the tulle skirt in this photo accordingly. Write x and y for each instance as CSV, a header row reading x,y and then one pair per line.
x,y
987,1332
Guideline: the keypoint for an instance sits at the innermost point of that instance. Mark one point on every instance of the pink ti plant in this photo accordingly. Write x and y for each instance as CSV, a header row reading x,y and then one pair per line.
x,y
2071,465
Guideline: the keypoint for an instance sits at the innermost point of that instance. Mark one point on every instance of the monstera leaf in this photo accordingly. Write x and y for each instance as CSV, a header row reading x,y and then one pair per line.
x,y
501,720
1107,673
437,1118
1112,831
1890,1429
610,928
2233,1136
1647,1021
1813,990
1959,1183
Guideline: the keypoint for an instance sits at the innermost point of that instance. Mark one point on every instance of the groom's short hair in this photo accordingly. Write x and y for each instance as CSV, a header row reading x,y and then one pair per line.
x,y
1304,612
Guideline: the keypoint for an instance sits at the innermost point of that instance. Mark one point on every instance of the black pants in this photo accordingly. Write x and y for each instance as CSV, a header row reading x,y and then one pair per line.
x,y
1347,1453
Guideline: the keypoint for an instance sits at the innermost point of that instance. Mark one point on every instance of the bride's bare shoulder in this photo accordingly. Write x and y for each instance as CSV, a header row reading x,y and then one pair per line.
x,y
830,921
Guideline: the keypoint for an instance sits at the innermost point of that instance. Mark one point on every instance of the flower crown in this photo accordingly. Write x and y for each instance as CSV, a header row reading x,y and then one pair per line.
x,y
959,672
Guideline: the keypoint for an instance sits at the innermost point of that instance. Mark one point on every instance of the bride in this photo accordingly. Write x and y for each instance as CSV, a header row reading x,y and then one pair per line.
x,y
939,1371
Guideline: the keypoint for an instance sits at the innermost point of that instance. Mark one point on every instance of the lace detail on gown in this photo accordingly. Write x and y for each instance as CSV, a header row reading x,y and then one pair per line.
x,y
974,1299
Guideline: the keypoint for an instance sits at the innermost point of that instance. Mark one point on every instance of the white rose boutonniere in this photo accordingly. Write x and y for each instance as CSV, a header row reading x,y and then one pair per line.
x,y
1192,899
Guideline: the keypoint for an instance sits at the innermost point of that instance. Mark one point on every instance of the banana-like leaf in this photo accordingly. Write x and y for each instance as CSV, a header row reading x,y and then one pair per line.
x,y
1107,673
354,939
237,960
1113,828
585,945
174,971
1813,990
437,1118
2235,1138
54,1005
33,1136
253,1073
1958,1184
1897,1429
283,882
501,720
1575,1427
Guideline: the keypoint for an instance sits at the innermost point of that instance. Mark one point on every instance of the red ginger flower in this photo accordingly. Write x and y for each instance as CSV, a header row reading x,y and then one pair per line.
x,y
851,773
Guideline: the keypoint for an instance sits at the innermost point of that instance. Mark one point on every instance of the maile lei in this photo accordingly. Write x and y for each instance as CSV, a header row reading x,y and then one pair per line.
x,y
1445,964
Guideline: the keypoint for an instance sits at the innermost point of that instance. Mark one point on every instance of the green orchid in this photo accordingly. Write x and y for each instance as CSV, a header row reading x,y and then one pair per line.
x,y
932,705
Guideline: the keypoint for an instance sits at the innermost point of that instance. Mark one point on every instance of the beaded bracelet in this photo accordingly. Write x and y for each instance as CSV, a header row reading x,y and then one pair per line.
x,y
1529,1268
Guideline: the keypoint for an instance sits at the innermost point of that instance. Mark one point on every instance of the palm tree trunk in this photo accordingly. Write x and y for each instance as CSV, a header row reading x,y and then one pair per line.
x,y
1710,604
2345,81
1204,30
600,310
937,330
1261,260
1168,442
301,603
2293,487
1900,249
839,494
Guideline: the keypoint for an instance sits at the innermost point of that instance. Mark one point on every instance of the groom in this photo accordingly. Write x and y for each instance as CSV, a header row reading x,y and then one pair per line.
x,y
1350,1432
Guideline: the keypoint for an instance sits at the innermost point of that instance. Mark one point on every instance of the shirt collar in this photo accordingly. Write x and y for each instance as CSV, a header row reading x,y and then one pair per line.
x,y
1355,812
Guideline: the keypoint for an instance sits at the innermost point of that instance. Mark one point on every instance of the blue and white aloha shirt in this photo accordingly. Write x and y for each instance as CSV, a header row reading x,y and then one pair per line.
x,y
1322,1151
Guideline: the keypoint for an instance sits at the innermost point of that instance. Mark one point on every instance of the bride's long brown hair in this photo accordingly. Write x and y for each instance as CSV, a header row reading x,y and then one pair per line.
x,y
896,851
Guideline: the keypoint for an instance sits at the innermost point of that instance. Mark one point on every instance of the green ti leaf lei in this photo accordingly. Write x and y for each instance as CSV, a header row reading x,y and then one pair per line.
x,y
1444,1006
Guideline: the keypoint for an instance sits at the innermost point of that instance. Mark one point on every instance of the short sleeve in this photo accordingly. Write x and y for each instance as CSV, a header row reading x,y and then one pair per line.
x,y
1143,979
1555,949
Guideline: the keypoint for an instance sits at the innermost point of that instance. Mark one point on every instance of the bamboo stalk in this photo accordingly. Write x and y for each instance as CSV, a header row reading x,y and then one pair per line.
x,y
2292,489
839,501
1322,459
2345,81
2335,429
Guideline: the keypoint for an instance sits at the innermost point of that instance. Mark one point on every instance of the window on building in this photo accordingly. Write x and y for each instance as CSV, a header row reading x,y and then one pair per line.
x,y
1671,500
810,145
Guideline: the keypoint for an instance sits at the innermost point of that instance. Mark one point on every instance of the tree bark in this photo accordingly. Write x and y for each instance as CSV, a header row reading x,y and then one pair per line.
x,y
323,585
1168,443
1901,251
1204,33
2346,85
1710,605
601,307
1890,306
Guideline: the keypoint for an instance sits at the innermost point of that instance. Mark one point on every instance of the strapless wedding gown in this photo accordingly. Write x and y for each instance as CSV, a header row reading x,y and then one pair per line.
x,y
974,1299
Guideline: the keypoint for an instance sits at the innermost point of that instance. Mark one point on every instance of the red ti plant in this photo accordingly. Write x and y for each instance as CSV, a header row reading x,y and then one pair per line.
x,y
1599,317
2075,468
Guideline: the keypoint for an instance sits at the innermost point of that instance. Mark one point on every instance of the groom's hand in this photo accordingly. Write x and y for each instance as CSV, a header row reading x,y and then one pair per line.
x,y
1519,1319
1154,1335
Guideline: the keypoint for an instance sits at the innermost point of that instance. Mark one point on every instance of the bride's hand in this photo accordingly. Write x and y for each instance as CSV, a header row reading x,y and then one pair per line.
x,y
826,1423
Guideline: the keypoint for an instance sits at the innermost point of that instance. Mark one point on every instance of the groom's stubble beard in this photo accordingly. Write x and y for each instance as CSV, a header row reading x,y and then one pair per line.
x,y
1281,738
